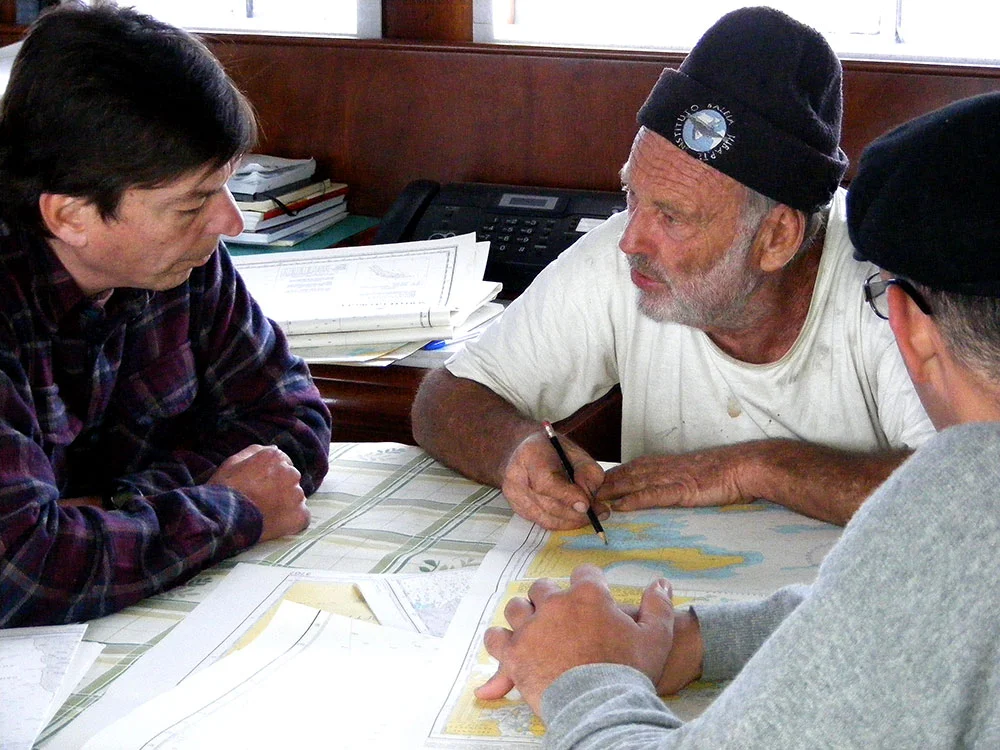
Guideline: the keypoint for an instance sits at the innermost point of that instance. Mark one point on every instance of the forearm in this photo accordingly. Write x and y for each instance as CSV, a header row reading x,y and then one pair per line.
x,y
729,634
815,480
685,661
467,427
606,705
71,561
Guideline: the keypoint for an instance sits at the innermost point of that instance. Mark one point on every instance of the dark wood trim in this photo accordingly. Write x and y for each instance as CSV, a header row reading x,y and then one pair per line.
x,y
441,20
373,404
8,12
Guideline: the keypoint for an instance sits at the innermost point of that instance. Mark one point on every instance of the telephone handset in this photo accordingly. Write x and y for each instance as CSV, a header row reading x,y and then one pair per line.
x,y
400,221
526,227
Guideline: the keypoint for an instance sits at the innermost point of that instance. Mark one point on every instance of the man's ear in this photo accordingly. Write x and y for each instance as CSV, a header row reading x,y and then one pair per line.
x,y
67,218
917,336
780,237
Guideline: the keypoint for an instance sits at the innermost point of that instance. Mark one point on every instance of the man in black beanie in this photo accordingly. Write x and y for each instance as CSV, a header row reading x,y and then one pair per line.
x,y
895,645
725,301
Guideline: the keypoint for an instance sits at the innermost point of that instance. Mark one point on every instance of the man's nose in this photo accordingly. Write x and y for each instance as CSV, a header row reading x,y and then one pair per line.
x,y
226,218
635,237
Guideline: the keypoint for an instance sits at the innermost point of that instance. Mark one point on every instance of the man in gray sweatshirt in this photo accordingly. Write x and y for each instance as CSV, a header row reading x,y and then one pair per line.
x,y
897,643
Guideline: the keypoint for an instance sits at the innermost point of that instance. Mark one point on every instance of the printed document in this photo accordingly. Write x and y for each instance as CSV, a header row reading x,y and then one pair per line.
x,y
426,284
38,669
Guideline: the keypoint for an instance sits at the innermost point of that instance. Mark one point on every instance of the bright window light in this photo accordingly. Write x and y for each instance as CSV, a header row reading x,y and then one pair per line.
x,y
953,31
352,18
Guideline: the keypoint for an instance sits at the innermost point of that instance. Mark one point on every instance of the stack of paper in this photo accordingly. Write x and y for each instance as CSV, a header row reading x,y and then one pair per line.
x,y
400,296
258,173
309,679
282,203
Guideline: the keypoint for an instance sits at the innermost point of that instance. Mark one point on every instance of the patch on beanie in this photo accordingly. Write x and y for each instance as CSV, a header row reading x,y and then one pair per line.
x,y
704,132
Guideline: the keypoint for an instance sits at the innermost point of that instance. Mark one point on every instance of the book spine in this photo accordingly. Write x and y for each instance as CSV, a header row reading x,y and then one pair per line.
x,y
292,206
254,221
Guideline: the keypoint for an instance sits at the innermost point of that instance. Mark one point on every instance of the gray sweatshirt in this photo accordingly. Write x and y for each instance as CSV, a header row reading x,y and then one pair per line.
x,y
896,644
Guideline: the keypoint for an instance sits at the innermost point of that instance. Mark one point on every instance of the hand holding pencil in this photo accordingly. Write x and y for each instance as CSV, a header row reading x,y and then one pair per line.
x,y
595,522
535,482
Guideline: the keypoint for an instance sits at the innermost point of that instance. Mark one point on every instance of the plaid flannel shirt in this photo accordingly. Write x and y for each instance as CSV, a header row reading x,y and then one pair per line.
x,y
141,399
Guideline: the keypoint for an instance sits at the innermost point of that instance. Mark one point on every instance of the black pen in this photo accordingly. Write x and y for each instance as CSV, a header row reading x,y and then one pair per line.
x,y
594,520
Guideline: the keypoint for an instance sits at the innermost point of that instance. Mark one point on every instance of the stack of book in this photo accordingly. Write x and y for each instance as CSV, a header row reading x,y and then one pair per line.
x,y
361,304
282,202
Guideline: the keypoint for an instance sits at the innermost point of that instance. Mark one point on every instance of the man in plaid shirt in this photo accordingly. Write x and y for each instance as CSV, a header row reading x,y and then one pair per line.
x,y
152,420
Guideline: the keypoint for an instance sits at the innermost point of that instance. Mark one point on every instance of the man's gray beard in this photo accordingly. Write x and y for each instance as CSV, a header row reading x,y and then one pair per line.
x,y
717,299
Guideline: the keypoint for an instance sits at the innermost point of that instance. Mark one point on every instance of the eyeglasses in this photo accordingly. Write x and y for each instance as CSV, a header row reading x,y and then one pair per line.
x,y
876,297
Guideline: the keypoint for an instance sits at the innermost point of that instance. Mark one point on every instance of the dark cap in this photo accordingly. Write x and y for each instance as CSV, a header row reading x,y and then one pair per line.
x,y
758,98
925,203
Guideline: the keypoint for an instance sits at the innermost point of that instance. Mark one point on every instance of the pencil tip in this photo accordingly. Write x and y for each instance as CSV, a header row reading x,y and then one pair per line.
x,y
604,537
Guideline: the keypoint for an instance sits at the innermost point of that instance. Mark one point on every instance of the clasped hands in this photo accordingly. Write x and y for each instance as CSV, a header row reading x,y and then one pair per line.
x,y
554,630
537,488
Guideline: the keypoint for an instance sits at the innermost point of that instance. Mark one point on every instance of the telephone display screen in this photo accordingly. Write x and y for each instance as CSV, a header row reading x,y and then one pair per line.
x,y
536,202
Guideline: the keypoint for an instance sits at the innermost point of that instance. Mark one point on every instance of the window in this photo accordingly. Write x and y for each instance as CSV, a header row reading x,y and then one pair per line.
x,y
361,18
953,31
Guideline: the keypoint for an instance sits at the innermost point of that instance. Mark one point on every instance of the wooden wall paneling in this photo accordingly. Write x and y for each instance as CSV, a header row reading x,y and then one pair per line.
x,y
378,114
8,11
440,20
878,98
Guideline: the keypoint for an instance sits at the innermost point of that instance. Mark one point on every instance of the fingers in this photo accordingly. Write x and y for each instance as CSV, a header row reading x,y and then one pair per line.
x,y
709,477
496,641
587,573
541,590
242,455
269,454
495,688
589,475
588,585
538,488
664,496
275,463
547,505
639,484
656,609
518,610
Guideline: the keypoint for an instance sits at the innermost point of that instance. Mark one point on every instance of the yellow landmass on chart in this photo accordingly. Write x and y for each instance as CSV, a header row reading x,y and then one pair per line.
x,y
339,598
630,543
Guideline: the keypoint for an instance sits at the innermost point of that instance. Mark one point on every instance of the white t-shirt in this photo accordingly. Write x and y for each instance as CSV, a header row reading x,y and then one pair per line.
x,y
577,331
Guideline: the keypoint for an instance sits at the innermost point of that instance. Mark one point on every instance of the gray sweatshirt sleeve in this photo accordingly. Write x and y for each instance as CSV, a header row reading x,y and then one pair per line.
x,y
895,645
732,633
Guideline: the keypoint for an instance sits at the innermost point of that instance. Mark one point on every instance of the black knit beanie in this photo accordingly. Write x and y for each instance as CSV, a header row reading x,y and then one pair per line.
x,y
924,204
758,98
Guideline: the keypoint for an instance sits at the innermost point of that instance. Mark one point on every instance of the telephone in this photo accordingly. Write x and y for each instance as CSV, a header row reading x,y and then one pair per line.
x,y
526,227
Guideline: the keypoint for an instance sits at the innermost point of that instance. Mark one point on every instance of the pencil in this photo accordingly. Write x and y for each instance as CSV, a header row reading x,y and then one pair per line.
x,y
591,515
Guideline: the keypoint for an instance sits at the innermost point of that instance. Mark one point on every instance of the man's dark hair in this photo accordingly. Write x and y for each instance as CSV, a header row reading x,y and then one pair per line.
x,y
104,99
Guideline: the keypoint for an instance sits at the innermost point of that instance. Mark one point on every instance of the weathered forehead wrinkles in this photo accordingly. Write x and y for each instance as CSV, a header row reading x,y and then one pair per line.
x,y
677,182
